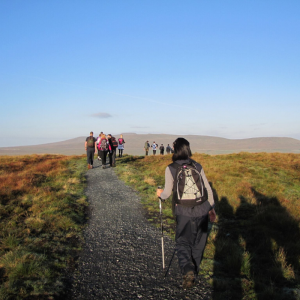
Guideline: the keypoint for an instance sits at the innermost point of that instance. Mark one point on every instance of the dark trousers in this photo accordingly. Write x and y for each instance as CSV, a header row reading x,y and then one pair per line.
x,y
147,151
120,152
191,236
90,155
112,157
103,156
161,152
154,152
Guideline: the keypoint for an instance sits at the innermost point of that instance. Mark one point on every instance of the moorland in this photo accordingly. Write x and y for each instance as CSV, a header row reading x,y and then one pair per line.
x,y
253,249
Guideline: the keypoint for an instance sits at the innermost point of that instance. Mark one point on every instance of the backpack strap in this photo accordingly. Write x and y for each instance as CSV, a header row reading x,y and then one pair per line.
x,y
174,167
200,182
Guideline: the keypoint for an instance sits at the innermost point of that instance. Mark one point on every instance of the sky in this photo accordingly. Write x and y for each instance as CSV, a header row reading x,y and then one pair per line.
x,y
220,68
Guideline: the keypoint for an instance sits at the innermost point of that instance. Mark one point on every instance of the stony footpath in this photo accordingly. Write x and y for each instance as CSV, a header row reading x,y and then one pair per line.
x,y
121,258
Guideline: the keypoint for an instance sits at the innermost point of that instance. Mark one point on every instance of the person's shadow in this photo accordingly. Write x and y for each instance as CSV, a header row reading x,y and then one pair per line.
x,y
258,246
228,254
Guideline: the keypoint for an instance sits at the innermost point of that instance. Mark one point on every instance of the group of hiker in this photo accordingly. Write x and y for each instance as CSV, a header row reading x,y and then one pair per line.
x,y
154,147
104,144
192,200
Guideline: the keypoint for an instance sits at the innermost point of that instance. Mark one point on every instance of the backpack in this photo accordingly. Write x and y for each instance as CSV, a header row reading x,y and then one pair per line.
x,y
114,142
102,145
90,142
188,189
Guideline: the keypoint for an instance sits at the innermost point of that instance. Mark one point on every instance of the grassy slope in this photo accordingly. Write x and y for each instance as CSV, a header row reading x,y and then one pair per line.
x,y
41,216
253,248
252,251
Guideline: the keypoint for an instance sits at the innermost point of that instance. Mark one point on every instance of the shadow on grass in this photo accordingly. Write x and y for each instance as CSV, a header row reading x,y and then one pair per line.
x,y
256,250
129,158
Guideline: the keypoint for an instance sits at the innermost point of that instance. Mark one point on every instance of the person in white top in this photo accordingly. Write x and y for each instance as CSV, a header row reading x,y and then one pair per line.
x,y
154,146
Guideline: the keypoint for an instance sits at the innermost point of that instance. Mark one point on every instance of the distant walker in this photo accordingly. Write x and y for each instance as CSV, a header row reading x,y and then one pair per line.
x,y
90,148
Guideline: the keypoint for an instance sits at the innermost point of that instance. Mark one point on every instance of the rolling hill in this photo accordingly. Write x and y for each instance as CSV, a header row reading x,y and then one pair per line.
x,y
135,144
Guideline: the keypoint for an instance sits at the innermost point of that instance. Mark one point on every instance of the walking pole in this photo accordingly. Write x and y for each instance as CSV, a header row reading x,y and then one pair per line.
x,y
170,263
162,233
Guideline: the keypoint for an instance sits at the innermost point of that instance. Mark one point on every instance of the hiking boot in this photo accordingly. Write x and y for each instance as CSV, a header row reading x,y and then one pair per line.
x,y
88,166
188,280
103,167
91,166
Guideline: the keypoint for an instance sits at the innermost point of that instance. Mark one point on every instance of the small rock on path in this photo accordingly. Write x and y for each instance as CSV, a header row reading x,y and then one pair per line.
x,y
121,257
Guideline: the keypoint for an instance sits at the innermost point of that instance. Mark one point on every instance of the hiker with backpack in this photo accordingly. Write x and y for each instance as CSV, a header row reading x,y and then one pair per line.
x,y
98,141
103,149
192,204
112,146
121,145
146,147
90,148
161,149
168,149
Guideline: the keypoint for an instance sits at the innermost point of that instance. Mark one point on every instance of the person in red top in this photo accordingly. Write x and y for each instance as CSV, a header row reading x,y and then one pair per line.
x,y
121,145
103,149
98,141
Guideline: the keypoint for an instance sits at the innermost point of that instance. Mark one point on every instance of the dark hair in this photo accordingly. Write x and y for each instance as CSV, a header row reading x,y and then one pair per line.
x,y
182,149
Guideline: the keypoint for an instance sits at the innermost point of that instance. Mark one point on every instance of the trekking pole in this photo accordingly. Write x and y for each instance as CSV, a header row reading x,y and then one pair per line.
x,y
162,232
170,263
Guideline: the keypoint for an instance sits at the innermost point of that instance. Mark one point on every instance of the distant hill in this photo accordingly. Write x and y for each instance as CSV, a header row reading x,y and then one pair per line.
x,y
135,144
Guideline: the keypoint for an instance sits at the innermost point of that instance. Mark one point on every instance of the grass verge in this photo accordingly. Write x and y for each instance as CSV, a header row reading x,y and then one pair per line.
x,y
42,213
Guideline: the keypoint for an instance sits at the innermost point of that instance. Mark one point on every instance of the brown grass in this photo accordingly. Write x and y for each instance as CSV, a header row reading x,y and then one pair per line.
x,y
42,206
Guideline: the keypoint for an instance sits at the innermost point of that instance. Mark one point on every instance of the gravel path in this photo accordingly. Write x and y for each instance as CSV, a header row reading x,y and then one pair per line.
x,y
121,258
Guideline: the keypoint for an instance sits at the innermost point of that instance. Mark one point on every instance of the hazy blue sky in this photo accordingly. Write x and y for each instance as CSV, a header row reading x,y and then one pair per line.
x,y
221,68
